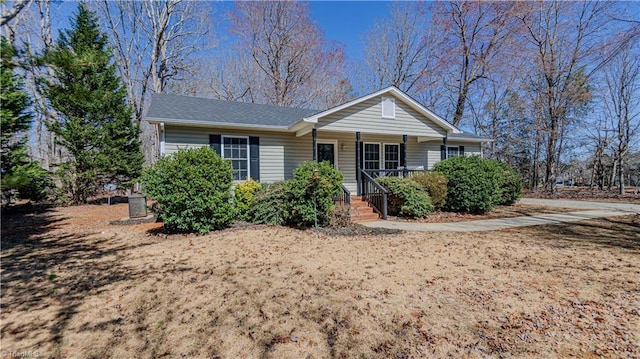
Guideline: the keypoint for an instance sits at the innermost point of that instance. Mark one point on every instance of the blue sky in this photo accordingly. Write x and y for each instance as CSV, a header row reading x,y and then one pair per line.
x,y
348,21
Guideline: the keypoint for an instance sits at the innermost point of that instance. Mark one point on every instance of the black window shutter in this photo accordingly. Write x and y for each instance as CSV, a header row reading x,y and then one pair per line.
x,y
461,150
215,142
402,156
254,157
443,153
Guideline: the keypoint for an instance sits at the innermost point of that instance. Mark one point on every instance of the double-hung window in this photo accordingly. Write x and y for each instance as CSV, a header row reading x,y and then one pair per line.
x,y
236,149
453,151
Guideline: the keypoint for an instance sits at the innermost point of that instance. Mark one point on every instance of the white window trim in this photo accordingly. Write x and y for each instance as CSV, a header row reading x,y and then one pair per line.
x,y
393,107
450,146
248,154
335,149
384,154
380,157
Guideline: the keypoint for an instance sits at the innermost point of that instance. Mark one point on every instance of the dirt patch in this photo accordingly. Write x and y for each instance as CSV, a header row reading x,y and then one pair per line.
x,y
355,230
75,286
632,194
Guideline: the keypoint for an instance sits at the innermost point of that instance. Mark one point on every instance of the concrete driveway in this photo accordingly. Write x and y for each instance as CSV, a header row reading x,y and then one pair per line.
x,y
584,210
581,204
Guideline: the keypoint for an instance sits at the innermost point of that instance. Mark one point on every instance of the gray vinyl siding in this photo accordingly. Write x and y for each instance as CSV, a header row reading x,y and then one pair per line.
x,y
366,117
282,152
433,150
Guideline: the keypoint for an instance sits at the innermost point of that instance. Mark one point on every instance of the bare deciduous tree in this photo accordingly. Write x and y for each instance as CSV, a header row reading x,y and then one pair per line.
x,y
398,50
296,66
13,11
472,36
563,40
153,42
621,102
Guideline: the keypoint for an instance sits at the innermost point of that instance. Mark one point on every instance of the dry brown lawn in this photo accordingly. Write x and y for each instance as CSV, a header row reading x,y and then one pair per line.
x,y
74,286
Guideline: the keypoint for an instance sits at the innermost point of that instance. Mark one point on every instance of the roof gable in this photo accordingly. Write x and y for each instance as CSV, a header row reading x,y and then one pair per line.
x,y
367,117
399,95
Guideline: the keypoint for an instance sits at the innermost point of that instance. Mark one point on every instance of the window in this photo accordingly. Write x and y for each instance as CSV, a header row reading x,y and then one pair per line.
x,y
391,156
453,151
371,156
236,149
388,107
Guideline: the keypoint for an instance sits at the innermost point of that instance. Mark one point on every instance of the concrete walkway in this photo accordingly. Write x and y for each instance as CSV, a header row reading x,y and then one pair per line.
x,y
601,210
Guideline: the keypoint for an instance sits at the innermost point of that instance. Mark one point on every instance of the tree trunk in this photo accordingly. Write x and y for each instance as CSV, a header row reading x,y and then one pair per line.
x,y
462,98
621,175
612,178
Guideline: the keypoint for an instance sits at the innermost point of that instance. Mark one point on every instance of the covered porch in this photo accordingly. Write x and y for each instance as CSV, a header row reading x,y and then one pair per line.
x,y
362,157
375,154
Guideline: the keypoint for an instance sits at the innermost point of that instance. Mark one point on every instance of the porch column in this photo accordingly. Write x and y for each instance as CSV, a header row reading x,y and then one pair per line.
x,y
358,155
403,159
315,148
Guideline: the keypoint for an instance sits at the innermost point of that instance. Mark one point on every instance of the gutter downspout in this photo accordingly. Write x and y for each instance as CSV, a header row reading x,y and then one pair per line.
x,y
315,147
162,138
358,174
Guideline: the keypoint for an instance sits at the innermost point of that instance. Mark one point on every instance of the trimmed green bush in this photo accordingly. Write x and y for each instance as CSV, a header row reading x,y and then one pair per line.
x,y
406,197
270,204
511,184
192,190
474,184
243,197
436,185
311,192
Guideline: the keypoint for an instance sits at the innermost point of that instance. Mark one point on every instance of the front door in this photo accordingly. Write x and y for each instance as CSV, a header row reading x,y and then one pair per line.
x,y
327,152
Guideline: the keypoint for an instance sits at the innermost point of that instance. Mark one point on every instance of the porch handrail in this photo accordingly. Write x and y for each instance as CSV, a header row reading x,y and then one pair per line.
x,y
375,194
396,172
345,198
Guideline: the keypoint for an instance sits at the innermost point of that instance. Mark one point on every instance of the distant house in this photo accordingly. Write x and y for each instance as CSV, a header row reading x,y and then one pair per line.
x,y
385,130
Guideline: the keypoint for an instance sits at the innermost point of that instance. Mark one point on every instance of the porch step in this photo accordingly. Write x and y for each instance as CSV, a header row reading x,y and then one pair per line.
x,y
361,212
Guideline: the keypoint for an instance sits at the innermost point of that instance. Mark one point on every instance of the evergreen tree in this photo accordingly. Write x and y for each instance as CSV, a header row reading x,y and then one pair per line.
x,y
15,120
15,117
95,124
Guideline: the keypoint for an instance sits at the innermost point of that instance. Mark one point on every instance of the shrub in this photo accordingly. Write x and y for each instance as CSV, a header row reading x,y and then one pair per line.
x,y
511,184
339,217
192,189
436,185
270,204
474,184
244,195
406,197
311,192
30,181
38,184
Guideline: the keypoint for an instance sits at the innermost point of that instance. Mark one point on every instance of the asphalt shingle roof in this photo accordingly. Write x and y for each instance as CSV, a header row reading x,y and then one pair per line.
x,y
466,135
175,107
